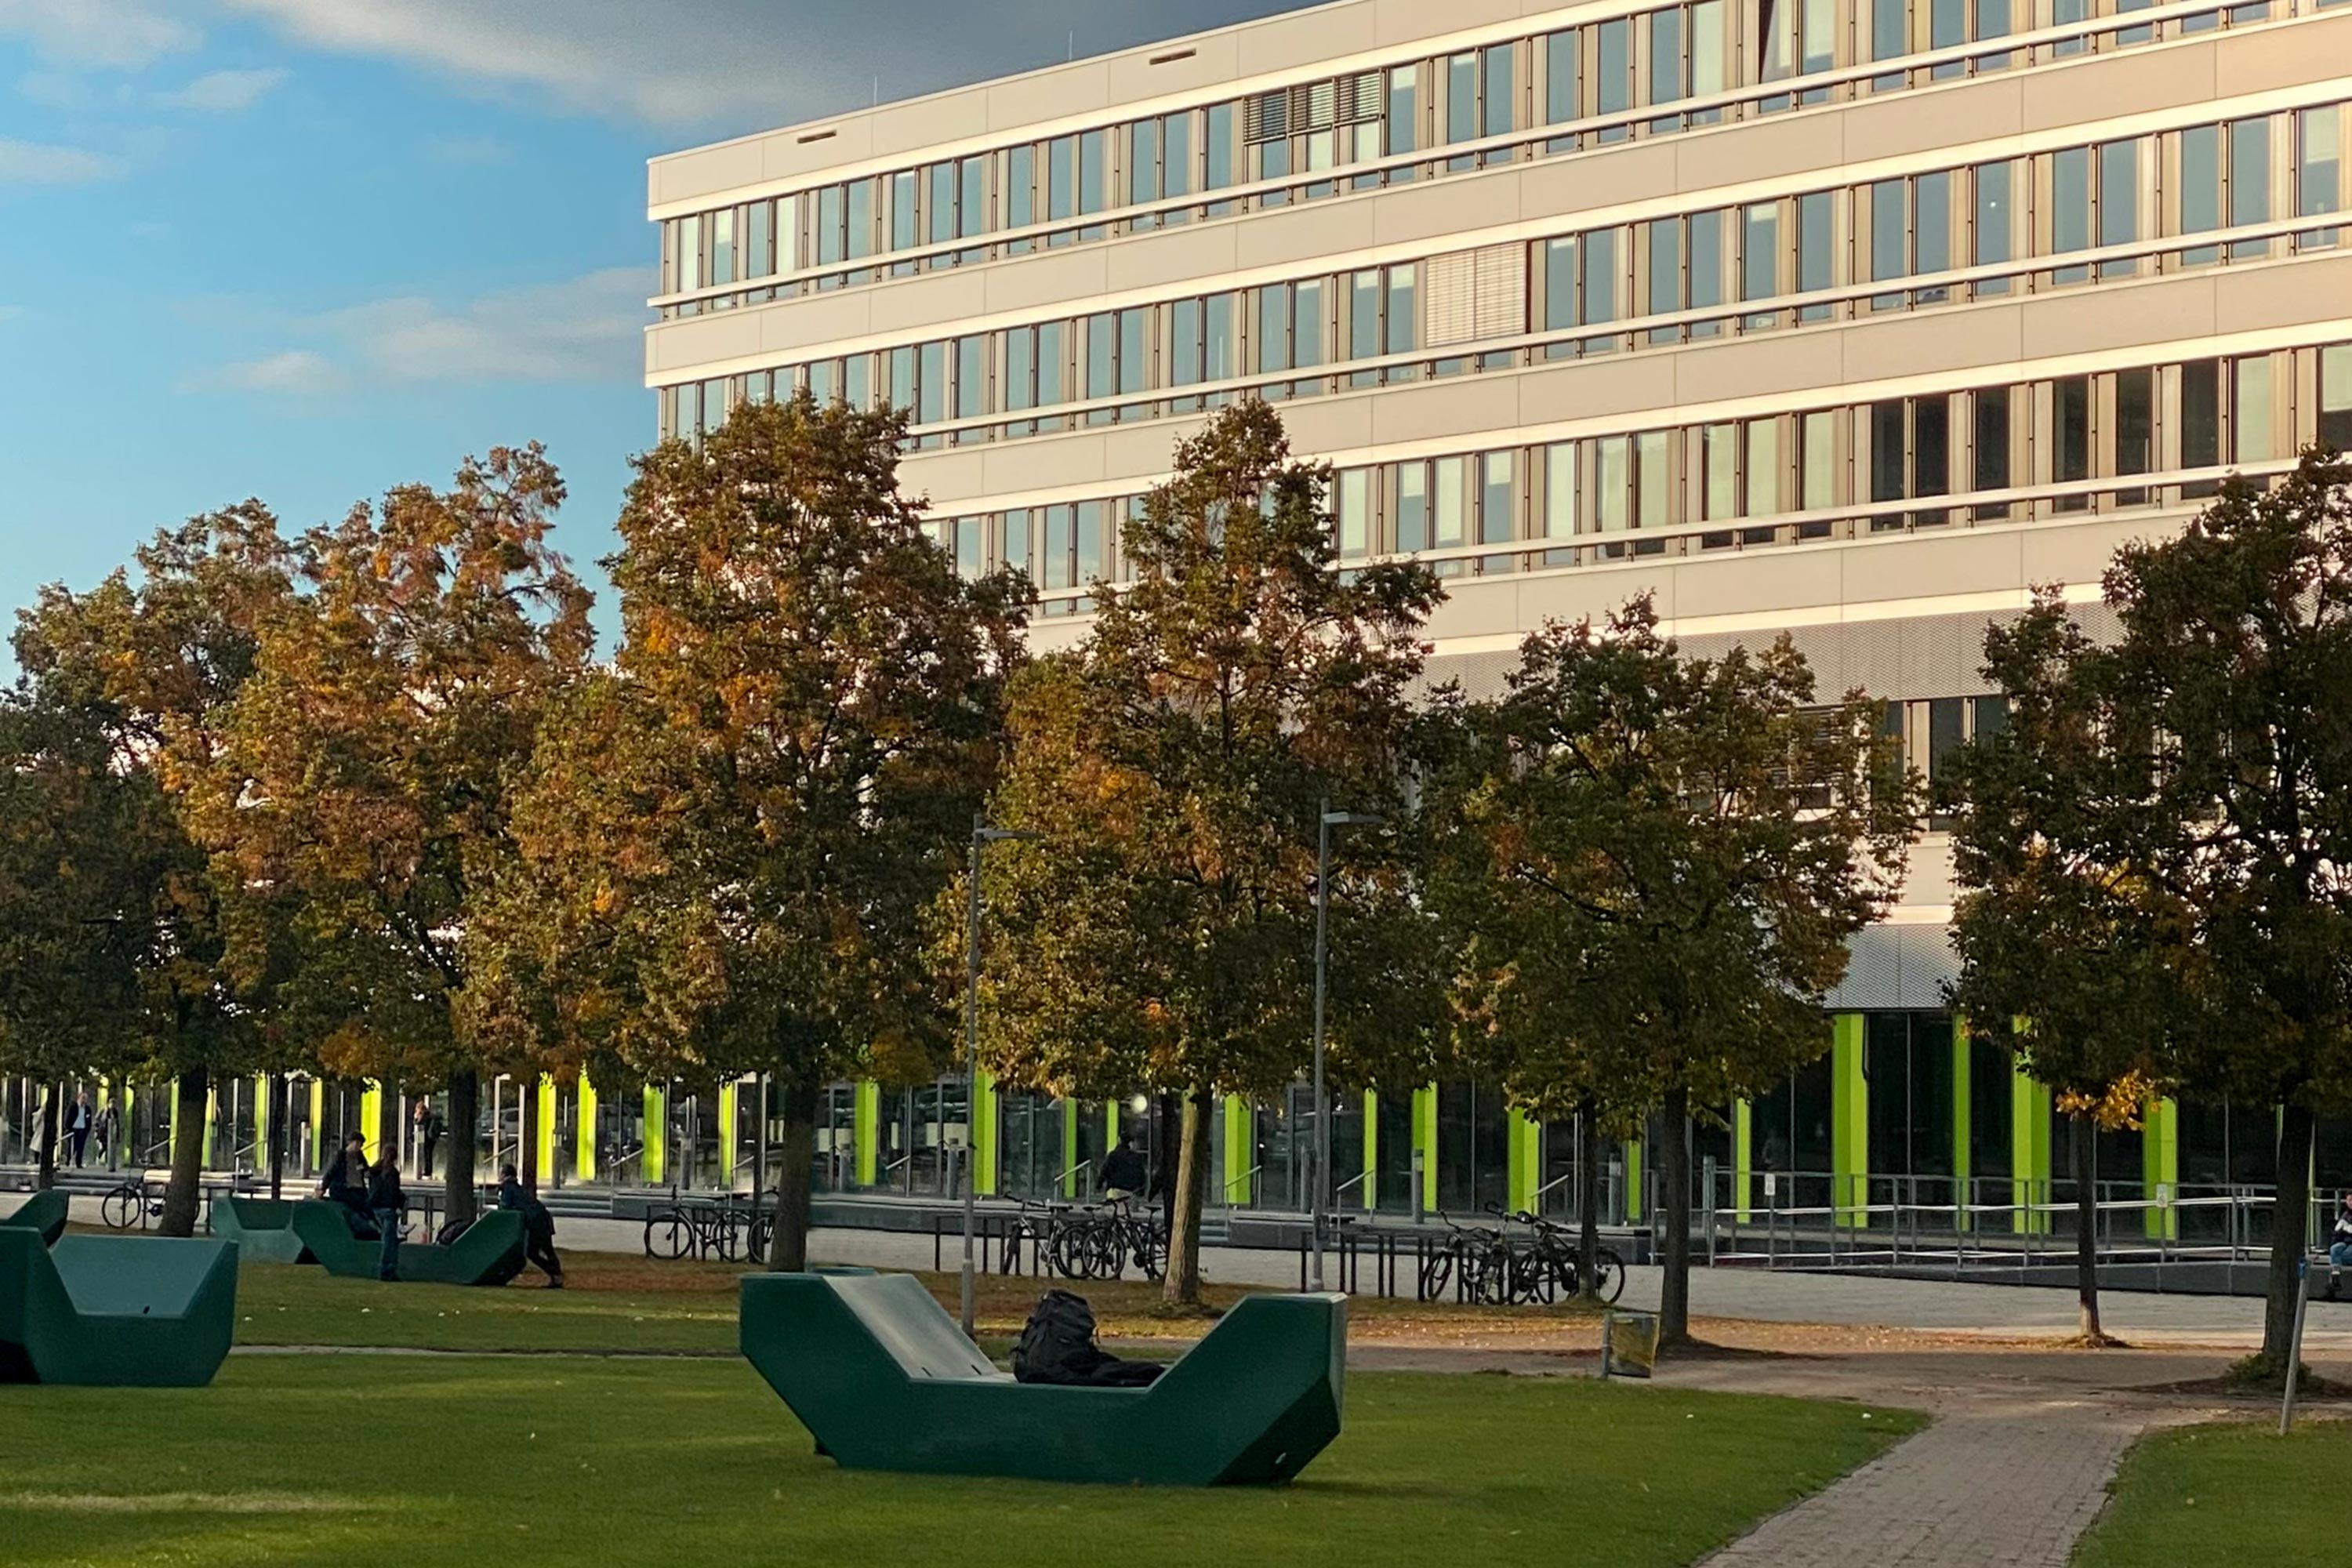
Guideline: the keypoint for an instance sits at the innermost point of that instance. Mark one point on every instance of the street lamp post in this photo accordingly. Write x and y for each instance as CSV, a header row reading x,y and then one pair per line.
x,y
1327,820
981,834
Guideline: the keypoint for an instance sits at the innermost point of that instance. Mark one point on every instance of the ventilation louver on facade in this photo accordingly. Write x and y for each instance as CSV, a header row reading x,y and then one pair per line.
x,y
1474,294
1311,106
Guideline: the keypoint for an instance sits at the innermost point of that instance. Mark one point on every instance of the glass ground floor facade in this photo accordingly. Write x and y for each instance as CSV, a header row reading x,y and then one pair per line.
x,y
1904,1109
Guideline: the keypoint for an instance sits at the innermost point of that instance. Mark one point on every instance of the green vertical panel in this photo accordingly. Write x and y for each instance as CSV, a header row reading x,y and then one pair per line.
x,y
318,1120
584,1145
370,1114
1425,1140
1849,1122
1241,1151
1634,1181
655,1162
2029,1147
212,1127
1743,1162
260,1120
546,1159
2160,1158
1519,1161
866,1128
170,1117
1963,1123
1368,1190
1070,1147
1110,1124
983,1133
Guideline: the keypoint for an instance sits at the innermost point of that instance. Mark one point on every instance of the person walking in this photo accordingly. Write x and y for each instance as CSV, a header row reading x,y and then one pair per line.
x,y
1123,1172
537,1228
78,1123
105,1131
429,1128
388,1203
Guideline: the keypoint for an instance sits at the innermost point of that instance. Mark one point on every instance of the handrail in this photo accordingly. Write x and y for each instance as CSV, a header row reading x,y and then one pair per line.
x,y
1951,279
1233,1181
1791,87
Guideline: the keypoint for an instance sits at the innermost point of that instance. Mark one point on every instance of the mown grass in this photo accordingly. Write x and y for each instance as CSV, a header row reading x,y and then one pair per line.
x,y
2225,1495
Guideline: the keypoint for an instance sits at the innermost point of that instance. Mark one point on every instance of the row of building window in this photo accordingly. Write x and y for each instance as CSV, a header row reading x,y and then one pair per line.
x,y
816,239
1764,481
2201,179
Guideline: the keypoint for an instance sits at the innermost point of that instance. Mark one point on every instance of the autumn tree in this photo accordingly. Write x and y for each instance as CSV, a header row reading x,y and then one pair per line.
x,y
728,844
1663,857
2071,958
1160,932
125,948
2230,742
370,757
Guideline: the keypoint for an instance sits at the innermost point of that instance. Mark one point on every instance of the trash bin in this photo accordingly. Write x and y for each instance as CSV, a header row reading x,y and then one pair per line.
x,y
1629,1343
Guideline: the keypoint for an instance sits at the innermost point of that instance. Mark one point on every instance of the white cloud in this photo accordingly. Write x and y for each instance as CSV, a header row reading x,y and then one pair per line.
x,y
582,330
481,150
125,35
223,92
40,164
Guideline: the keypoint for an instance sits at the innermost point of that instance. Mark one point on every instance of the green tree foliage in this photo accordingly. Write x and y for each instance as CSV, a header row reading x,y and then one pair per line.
x,y
731,844
1161,931
2231,748
125,948
369,761
2069,957
1651,865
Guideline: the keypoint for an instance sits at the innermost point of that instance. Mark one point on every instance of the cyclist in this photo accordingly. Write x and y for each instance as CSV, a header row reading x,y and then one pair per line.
x,y
538,1227
1123,1172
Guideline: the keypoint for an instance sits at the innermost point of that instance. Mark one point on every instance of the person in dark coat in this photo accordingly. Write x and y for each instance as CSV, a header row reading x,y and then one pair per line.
x,y
346,1181
1123,1172
79,1121
387,1203
537,1228
429,1128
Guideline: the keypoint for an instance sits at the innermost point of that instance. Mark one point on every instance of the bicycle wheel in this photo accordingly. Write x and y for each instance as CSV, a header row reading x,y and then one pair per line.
x,y
668,1236
1531,1278
1436,1274
1067,1250
124,1207
1608,1277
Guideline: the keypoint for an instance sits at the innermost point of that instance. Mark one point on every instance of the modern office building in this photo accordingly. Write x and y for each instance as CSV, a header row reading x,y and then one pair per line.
x,y
1856,318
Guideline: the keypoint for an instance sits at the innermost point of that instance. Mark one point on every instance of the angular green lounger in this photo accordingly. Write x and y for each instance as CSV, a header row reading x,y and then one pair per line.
x,y
490,1253
884,1379
43,1212
263,1229
128,1311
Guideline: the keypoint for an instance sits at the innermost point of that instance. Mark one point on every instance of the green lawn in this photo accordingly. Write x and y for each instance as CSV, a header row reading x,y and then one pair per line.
x,y
620,1305
2227,1495
520,1462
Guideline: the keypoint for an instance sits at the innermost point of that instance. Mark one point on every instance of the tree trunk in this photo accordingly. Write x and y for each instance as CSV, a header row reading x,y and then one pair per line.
x,y
1674,1220
2290,1221
795,1159
1183,1285
458,1166
180,1194
45,1157
277,1106
1588,1199
2085,1159
529,1161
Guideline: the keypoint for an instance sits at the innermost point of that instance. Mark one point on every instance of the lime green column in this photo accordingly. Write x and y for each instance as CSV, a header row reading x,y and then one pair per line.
x,y
1425,1140
371,1116
1963,1123
2161,1161
1632,1181
1743,1163
1368,1190
260,1120
1523,1160
983,1133
1241,1150
585,1145
1849,1122
318,1120
654,1164
545,1156
1070,1149
2029,1148
866,1128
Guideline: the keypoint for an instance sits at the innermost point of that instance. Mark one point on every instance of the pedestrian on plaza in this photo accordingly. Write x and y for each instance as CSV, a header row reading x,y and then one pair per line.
x,y
388,1203
2340,1244
79,1118
346,1183
1124,1175
105,1131
538,1227
429,1128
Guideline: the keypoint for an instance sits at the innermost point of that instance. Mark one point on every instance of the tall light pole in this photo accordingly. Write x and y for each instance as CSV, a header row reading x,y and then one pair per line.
x,y
1327,820
981,834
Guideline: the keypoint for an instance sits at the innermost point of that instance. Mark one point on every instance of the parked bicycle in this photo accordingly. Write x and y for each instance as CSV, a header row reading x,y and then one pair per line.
x,y
1474,1260
130,1204
720,1228
1550,1264
1099,1243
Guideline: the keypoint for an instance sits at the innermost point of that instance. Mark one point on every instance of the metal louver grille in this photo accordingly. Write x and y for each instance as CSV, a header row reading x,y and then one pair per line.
x,y
1311,106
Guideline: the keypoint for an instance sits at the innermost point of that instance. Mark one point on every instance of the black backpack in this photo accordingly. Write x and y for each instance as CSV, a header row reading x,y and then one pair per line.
x,y
1057,1345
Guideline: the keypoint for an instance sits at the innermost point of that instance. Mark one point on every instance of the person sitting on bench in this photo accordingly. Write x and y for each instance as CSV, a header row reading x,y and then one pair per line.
x,y
346,1183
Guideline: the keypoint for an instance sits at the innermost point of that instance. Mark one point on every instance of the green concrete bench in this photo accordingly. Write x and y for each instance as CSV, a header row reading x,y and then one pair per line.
x,y
884,1379
128,1311
263,1229
489,1253
44,1212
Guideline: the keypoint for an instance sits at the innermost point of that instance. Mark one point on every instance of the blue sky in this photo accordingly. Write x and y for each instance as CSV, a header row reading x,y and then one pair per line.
x,y
307,249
